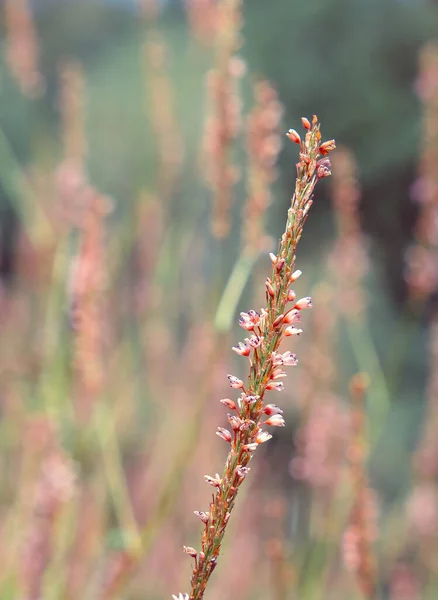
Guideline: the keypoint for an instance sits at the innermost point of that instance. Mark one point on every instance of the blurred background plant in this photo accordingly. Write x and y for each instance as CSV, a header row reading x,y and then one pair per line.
x,y
142,184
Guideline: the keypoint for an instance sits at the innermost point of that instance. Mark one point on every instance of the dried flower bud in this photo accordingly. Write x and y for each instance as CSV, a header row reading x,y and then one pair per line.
x,y
327,147
229,403
294,136
204,516
303,303
224,434
235,382
306,123
304,159
269,288
275,421
190,551
323,168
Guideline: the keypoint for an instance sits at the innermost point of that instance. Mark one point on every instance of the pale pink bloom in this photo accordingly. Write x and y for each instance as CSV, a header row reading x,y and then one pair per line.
x,y
190,551
214,481
235,382
263,437
289,331
304,303
180,596
250,447
250,399
235,422
278,386
242,349
254,341
293,316
204,516
242,472
278,373
249,320
292,331
275,421
289,359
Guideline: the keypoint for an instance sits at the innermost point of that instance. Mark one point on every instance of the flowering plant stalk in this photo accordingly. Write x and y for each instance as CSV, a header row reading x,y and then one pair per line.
x,y
267,330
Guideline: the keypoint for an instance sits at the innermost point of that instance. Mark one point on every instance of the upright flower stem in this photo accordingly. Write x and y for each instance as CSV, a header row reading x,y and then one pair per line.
x,y
267,331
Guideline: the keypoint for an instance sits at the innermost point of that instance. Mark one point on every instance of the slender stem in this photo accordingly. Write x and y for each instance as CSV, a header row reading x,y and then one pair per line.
x,y
268,331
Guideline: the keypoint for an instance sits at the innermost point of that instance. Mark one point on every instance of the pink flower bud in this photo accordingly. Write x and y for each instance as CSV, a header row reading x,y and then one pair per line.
x,y
269,288
229,403
291,295
224,434
306,123
272,409
294,136
280,264
278,321
295,275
